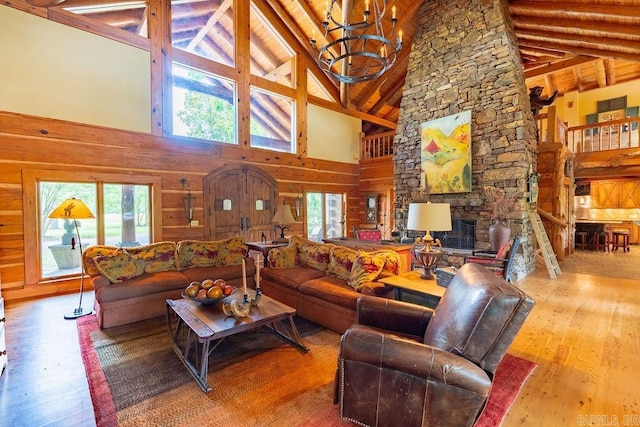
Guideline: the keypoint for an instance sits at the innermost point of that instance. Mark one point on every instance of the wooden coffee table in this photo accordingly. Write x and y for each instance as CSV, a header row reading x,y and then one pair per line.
x,y
192,328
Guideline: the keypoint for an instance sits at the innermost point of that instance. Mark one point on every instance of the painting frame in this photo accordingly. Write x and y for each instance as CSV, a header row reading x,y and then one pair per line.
x,y
445,154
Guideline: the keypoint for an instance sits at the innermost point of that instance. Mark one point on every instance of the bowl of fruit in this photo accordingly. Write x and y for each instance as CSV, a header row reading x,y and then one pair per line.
x,y
208,291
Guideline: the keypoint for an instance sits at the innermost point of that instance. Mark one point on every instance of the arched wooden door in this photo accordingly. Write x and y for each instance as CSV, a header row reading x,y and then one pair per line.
x,y
239,202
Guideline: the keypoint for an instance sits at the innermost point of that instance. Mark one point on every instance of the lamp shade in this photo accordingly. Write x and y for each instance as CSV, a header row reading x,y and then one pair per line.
x,y
283,215
429,217
72,209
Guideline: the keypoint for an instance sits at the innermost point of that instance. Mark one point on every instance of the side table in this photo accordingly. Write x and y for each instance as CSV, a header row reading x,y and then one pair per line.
x,y
409,287
264,248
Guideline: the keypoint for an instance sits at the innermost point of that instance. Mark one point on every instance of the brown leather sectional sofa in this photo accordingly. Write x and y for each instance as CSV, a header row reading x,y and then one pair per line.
x,y
133,284
318,280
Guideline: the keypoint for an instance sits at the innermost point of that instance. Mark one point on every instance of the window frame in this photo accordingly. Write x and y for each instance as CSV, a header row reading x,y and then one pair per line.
x,y
31,206
323,203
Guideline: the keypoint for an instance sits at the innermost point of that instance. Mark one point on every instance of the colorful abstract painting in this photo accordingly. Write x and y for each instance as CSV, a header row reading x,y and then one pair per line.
x,y
446,154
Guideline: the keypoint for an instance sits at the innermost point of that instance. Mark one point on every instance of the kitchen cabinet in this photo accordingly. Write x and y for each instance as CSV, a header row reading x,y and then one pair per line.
x,y
615,194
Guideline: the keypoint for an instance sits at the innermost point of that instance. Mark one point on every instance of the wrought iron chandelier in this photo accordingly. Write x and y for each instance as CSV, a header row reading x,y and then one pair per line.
x,y
361,52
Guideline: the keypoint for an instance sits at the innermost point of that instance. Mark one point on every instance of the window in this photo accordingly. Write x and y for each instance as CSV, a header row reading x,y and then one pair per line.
x,y
122,221
276,57
204,29
204,105
325,215
271,121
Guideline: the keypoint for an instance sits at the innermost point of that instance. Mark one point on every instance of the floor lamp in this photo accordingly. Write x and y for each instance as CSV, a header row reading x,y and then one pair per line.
x,y
75,209
428,217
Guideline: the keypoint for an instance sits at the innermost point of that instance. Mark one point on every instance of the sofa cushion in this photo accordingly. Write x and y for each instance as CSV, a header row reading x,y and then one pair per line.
x,y
284,257
290,277
232,251
315,255
341,261
93,251
391,263
160,256
199,253
118,266
196,253
140,286
366,268
331,289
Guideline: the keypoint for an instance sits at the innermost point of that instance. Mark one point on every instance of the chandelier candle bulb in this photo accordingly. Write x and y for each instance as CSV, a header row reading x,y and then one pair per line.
x,y
393,12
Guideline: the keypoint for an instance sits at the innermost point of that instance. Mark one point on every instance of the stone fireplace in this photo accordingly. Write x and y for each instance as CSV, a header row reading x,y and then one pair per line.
x,y
461,236
465,57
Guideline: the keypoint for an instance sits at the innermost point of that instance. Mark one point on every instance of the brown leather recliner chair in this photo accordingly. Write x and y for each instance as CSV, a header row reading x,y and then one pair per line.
x,y
403,364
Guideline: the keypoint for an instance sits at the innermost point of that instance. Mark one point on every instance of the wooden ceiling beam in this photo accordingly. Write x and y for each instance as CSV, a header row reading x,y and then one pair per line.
x,y
211,22
537,50
557,66
580,50
290,30
567,10
601,75
617,45
374,85
573,26
383,99
610,68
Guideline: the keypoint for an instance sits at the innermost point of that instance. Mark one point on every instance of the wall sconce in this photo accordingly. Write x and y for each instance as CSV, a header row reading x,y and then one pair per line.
x,y
298,206
188,201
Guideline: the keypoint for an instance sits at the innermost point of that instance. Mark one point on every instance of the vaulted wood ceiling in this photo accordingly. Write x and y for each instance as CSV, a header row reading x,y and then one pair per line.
x,y
570,45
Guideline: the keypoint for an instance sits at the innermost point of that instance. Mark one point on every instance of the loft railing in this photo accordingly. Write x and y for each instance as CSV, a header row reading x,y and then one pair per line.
x,y
378,145
609,135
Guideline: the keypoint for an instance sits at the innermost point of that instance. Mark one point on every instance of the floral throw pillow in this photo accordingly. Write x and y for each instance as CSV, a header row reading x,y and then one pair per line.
x,y
366,268
196,253
156,257
284,257
341,262
391,263
92,252
119,266
315,255
231,251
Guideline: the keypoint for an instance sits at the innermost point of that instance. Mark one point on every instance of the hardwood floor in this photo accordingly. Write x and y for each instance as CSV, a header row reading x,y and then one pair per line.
x,y
584,333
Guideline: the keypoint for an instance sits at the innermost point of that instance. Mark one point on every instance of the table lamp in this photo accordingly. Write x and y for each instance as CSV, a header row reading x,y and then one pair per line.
x,y
282,219
428,217
75,209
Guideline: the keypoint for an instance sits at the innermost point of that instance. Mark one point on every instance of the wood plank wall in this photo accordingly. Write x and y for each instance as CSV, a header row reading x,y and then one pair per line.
x,y
32,143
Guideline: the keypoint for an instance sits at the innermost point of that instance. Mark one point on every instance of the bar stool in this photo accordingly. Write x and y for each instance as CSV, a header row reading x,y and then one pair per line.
x,y
621,239
581,239
601,240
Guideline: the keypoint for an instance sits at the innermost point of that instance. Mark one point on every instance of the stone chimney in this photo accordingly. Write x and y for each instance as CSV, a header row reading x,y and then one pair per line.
x,y
465,57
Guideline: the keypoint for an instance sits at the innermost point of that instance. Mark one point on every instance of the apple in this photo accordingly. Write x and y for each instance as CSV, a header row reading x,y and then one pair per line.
x,y
227,290
214,293
192,290
220,283
207,283
202,294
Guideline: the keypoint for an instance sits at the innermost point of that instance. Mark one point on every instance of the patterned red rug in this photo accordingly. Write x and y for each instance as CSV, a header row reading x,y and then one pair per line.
x,y
135,378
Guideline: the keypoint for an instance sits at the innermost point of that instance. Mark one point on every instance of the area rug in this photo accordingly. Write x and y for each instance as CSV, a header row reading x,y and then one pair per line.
x,y
135,379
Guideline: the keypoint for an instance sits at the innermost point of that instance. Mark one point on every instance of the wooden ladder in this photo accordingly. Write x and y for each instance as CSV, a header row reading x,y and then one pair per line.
x,y
544,244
